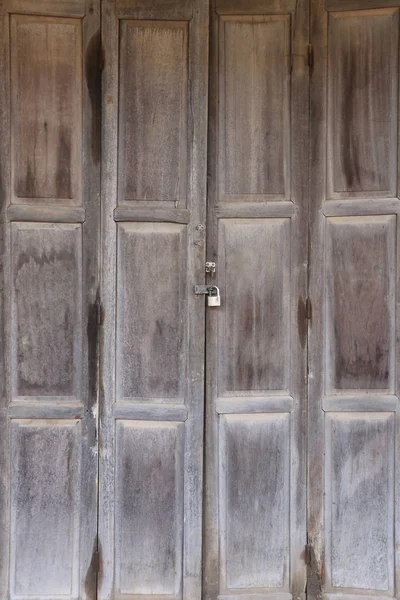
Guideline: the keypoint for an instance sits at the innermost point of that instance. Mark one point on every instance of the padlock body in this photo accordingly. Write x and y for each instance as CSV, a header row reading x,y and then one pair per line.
x,y
214,301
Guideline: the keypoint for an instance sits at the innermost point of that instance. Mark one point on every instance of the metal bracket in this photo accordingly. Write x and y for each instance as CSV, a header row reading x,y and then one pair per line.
x,y
210,267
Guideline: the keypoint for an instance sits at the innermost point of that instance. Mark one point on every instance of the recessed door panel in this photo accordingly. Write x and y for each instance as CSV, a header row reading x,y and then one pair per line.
x,y
46,105
254,455
362,92
149,484
45,484
254,93
153,111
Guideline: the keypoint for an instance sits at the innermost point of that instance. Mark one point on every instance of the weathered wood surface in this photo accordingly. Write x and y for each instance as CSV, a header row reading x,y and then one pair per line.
x,y
152,357
153,111
53,8
254,154
50,72
256,344
46,118
163,10
353,339
255,7
151,331
362,89
254,269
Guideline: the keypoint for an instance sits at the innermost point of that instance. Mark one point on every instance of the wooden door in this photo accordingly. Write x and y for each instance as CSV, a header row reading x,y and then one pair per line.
x,y
354,481
255,494
152,346
49,167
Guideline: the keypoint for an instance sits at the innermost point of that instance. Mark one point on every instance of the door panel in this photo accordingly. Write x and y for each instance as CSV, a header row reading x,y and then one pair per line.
x,y
255,159
152,362
257,235
353,380
255,531
49,160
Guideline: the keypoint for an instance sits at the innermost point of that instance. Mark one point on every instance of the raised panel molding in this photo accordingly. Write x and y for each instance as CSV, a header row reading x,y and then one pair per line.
x,y
362,103
360,280
151,324
153,111
254,275
360,501
254,135
45,508
254,502
46,326
149,508
46,108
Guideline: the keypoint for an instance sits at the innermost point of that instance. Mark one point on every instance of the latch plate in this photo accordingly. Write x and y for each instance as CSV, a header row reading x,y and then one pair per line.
x,y
202,290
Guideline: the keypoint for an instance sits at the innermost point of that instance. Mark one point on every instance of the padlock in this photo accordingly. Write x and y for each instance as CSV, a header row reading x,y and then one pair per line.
x,y
213,298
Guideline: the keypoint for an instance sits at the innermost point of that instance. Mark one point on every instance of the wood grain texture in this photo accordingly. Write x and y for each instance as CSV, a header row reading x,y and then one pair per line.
x,y
254,455
5,283
353,347
45,214
46,310
255,7
363,112
257,69
53,253
53,8
149,489
342,5
242,404
360,403
45,508
163,215
318,187
360,302
364,206
151,322
168,69
254,277
46,76
360,496
157,9
150,411
254,106
153,111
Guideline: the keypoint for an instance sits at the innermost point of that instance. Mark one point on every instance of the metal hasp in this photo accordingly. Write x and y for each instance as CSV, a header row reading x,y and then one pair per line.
x,y
212,293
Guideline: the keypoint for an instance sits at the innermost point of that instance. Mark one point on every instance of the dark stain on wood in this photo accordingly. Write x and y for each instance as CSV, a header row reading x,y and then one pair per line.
x,y
45,358
302,322
63,173
360,298
315,575
372,366
92,331
349,147
362,77
94,572
29,187
93,64
42,258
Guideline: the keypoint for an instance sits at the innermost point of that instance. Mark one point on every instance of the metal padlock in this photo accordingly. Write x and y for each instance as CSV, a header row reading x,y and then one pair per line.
x,y
213,298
